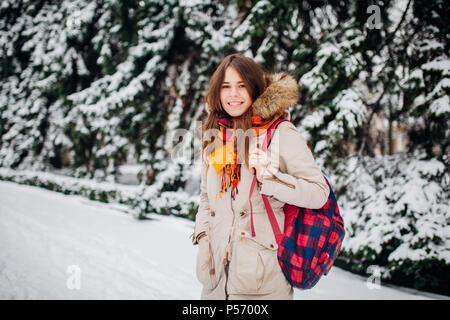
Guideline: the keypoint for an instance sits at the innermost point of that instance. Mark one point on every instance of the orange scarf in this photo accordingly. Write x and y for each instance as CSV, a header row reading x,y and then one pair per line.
x,y
224,159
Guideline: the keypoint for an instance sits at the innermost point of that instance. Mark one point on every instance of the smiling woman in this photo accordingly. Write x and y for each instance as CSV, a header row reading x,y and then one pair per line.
x,y
237,253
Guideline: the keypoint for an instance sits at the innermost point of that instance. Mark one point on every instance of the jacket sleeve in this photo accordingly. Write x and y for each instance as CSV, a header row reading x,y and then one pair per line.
x,y
203,213
303,183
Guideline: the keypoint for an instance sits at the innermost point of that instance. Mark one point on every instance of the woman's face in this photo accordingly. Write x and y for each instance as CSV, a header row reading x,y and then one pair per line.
x,y
234,96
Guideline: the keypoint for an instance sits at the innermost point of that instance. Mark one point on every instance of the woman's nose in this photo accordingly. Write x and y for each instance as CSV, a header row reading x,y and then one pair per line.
x,y
234,92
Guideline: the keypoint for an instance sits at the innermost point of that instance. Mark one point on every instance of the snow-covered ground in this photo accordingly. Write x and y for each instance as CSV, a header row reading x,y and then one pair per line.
x,y
54,246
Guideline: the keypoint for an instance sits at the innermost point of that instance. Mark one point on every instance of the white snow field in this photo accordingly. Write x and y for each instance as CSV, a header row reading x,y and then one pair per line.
x,y
54,246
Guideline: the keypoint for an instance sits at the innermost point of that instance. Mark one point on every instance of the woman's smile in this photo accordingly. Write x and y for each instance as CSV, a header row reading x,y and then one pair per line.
x,y
235,103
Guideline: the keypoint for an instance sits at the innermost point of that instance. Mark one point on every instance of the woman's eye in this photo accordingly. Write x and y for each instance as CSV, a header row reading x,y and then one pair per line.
x,y
240,86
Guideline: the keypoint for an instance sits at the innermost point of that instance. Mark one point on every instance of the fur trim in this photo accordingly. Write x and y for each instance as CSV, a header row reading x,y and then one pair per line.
x,y
281,93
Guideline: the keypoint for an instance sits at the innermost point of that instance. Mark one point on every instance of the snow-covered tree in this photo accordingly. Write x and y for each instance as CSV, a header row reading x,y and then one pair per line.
x,y
91,85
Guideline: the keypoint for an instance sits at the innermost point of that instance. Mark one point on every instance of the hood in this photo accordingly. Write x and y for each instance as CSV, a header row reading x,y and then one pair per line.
x,y
281,93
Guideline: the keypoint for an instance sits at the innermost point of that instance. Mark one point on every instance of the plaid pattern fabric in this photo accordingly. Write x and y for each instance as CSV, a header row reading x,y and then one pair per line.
x,y
311,241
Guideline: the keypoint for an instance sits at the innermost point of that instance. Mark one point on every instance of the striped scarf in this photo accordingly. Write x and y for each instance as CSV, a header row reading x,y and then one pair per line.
x,y
224,159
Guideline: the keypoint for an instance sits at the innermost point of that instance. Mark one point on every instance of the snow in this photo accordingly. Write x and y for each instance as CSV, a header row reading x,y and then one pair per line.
x,y
442,65
45,236
119,256
440,106
393,194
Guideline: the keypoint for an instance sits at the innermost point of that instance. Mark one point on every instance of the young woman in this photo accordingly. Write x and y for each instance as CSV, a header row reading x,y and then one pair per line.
x,y
237,254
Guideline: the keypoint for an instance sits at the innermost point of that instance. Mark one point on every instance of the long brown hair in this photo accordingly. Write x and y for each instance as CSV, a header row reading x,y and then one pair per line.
x,y
254,77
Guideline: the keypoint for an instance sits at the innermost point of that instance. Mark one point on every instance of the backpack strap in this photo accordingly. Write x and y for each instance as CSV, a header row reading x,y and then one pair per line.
x,y
273,221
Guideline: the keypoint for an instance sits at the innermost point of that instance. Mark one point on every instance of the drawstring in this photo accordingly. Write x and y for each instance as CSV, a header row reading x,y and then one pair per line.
x,y
251,208
250,197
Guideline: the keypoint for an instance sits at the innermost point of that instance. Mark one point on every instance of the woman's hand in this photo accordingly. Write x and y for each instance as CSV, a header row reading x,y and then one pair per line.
x,y
258,160
201,237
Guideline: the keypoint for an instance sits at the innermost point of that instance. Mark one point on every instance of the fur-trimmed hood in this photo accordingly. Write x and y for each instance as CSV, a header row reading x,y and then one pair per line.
x,y
281,93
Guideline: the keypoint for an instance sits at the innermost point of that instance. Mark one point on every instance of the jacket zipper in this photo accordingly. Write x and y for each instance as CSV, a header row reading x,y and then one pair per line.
x,y
281,182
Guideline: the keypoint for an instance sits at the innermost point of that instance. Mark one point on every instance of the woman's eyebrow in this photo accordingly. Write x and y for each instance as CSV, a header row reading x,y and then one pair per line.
x,y
236,82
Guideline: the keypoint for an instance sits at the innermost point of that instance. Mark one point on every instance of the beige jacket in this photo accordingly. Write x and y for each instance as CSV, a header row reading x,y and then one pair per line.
x,y
231,264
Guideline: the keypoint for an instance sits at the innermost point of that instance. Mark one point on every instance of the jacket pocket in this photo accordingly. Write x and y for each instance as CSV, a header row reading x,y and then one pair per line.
x,y
205,268
252,266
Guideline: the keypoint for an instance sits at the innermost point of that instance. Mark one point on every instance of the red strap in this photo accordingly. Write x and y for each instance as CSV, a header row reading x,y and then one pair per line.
x,y
272,219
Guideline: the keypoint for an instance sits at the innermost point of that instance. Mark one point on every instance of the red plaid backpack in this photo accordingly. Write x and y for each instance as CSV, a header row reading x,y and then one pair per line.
x,y
312,237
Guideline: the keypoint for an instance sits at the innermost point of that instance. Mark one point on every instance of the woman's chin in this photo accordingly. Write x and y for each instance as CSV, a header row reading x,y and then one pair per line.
x,y
236,112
